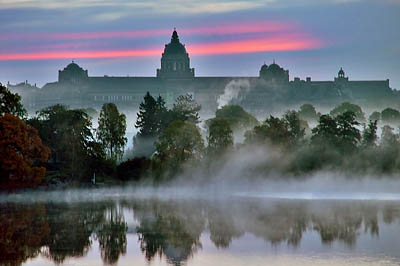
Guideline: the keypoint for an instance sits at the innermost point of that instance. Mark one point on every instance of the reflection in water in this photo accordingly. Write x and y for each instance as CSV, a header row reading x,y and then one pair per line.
x,y
173,229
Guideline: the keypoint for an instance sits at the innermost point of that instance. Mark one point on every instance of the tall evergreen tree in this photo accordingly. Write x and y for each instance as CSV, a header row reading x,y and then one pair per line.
x,y
111,130
186,109
146,118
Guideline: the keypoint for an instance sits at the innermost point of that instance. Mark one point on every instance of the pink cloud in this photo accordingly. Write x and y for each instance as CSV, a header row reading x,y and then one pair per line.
x,y
279,43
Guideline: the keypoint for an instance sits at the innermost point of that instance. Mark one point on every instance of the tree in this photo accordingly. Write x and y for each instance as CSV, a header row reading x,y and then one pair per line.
x,y
134,169
21,154
348,133
152,118
147,121
388,138
10,103
69,134
369,134
273,131
295,127
111,130
375,116
390,115
186,109
345,107
326,132
307,112
91,112
220,137
181,142
237,117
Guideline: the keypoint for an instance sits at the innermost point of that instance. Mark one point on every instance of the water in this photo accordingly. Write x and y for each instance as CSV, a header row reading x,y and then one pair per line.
x,y
229,230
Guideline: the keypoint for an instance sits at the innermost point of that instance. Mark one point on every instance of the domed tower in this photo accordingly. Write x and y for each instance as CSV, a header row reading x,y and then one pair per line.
x,y
341,76
275,74
72,73
264,70
175,62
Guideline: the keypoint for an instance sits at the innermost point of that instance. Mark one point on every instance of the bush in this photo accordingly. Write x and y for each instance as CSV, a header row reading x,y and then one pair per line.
x,y
133,169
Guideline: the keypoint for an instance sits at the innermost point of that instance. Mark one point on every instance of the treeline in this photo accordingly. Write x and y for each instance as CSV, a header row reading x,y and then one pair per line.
x,y
341,141
60,145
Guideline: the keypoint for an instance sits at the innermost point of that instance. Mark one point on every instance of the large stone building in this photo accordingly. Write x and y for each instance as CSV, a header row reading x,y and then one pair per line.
x,y
265,92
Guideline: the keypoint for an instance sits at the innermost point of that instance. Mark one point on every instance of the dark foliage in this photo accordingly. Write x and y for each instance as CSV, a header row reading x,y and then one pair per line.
x,y
134,169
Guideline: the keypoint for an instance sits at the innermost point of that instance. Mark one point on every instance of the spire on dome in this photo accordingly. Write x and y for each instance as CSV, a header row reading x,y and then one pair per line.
x,y
175,37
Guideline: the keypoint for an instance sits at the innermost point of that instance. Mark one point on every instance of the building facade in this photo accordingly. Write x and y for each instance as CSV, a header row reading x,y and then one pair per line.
x,y
258,94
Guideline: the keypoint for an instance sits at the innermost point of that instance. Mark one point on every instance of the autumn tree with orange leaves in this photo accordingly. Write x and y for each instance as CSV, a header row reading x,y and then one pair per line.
x,y
22,154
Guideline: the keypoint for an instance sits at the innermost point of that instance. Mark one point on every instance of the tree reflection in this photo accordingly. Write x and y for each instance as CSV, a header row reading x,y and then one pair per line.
x,y
112,236
172,229
22,230
71,228
169,230
222,228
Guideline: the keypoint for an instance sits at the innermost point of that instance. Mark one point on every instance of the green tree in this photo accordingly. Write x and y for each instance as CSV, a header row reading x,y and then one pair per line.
x,y
375,116
273,131
111,130
91,112
369,136
237,117
307,112
220,137
147,121
348,133
388,138
181,142
346,107
152,118
162,114
326,132
10,103
186,109
390,115
69,135
295,127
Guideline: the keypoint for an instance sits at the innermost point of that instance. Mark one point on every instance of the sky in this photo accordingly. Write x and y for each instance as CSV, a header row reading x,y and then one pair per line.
x,y
311,38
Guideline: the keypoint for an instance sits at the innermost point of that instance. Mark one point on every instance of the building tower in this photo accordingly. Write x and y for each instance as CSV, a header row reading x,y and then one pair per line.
x,y
72,73
341,78
175,62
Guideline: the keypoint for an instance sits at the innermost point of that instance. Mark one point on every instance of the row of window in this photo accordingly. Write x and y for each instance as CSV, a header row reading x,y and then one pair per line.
x,y
174,66
114,97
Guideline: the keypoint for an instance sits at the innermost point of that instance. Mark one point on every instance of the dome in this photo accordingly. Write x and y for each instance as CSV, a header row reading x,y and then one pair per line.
x,y
264,67
72,72
274,67
73,65
175,46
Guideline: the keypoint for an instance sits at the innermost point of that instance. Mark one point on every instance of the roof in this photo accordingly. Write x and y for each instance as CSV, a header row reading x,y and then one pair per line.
x,y
175,46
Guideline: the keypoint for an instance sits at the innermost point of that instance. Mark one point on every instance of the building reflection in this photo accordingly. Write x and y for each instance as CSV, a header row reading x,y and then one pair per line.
x,y
172,229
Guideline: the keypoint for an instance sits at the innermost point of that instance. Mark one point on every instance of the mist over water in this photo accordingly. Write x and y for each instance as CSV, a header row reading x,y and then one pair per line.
x,y
169,227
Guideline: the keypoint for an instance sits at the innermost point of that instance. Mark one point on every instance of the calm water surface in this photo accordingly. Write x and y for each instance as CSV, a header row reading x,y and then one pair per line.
x,y
187,231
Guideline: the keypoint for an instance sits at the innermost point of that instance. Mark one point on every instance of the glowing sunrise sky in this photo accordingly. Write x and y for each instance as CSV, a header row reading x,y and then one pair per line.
x,y
224,38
